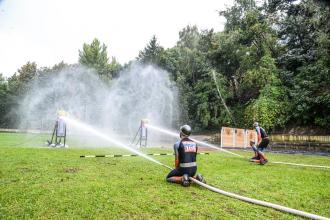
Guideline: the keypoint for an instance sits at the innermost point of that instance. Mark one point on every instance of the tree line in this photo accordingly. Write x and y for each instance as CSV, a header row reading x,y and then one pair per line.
x,y
271,63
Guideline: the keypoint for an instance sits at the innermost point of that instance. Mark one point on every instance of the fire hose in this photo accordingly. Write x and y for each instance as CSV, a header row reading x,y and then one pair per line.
x,y
259,202
256,201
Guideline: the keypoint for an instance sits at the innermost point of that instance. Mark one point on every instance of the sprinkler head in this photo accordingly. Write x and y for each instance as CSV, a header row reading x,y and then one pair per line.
x,y
62,113
145,121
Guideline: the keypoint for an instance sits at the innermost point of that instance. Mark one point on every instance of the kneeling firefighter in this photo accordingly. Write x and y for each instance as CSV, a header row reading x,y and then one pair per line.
x,y
185,152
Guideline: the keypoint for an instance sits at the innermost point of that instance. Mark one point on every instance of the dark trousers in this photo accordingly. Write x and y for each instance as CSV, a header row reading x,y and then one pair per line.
x,y
264,143
191,171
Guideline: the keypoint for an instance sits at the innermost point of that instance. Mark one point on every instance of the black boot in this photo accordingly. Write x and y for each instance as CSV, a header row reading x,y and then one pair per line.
x,y
185,180
200,178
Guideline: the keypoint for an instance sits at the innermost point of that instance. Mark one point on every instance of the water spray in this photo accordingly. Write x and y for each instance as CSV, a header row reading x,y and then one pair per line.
x,y
221,149
97,133
139,91
197,141
246,199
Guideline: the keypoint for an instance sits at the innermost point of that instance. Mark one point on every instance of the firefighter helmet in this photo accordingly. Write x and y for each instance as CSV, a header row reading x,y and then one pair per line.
x,y
185,130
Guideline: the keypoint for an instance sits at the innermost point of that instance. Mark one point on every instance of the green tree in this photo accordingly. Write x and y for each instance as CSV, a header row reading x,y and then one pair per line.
x,y
188,62
226,57
236,13
270,106
245,52
3,102
18,83
189,37
18,86
152,53
305,62
95,56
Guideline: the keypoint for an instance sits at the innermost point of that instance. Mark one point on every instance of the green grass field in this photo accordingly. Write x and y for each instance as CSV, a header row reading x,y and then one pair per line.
x,y
43,183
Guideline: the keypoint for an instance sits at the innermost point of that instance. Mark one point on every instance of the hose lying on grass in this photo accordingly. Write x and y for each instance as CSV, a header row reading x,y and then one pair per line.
x,y
293,164
302,165
259,202
232,195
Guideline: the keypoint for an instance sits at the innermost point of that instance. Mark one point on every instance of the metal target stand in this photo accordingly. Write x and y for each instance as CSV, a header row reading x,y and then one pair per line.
x,y
141,136
59,132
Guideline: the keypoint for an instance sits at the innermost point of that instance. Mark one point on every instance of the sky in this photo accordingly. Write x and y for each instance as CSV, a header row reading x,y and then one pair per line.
x,y
49,31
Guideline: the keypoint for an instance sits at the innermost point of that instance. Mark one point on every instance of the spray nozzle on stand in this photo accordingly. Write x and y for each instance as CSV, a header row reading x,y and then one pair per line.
x,y
62,113
141,136
144,122
59,131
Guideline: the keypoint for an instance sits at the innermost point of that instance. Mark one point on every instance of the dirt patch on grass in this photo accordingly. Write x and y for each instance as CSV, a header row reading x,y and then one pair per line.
x,y
71,170
25,169
230,210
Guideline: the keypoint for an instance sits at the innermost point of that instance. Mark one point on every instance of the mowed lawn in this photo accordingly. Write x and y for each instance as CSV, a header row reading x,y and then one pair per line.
x,y
45,183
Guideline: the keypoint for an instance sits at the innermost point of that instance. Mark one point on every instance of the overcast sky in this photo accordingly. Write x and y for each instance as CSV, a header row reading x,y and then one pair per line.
x,y
49,31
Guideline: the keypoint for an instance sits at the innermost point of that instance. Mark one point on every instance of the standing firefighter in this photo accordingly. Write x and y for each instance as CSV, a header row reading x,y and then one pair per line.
x,y
185,159
263,141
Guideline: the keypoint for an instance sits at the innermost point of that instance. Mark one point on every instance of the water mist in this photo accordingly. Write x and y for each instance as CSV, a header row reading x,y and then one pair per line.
x,y
117,109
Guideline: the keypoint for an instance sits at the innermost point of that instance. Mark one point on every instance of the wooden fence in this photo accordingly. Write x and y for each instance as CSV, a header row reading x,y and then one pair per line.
x,y
240,138
237,137
299,138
